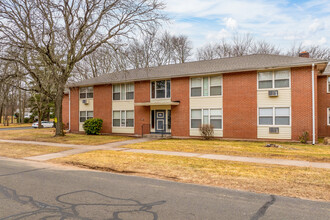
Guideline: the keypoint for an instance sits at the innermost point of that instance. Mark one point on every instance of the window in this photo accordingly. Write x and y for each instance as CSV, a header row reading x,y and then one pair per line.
x,y
196,87
328,84
116,92
86,92
274,116
116,119
328,116
123,119
129,91
161,89
168,119
282,116
216,118
215,85
123,91
210,116
84,115
266,116
152,119
129,118
206,86
196,118
274,79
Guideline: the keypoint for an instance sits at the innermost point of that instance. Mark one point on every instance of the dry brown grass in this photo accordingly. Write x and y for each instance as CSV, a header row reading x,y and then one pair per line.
x,y
310,183
47,135
27,150
295,151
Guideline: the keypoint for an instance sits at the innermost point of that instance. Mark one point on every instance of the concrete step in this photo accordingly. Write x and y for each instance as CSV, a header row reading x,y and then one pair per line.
x,y
158,136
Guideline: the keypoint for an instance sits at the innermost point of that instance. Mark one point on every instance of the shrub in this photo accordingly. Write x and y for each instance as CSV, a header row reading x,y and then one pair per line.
x,y
304,137
93,126
206,131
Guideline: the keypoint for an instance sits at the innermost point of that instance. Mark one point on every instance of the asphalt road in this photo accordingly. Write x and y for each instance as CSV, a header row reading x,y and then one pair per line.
x,y
31,190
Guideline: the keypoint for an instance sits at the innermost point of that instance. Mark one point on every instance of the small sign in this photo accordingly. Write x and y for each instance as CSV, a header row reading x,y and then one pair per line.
x,y
55,120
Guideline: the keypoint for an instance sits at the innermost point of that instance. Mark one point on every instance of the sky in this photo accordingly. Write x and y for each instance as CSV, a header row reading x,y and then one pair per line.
x,y
281,22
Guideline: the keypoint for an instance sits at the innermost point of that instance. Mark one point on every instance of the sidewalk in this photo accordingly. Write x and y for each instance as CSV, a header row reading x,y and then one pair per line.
x,y
115,147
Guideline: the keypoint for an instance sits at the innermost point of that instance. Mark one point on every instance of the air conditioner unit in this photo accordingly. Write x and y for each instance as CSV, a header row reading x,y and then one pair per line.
x,y
273,93
274,130
85,101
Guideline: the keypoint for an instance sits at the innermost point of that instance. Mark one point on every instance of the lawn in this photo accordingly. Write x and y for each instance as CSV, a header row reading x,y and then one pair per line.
x,y
295,151
47,135
27,150
309,183
15,125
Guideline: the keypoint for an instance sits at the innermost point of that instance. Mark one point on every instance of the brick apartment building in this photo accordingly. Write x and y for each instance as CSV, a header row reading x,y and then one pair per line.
x,y
247,97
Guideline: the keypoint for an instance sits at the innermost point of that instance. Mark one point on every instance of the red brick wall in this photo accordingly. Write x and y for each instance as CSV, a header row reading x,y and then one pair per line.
x,y
103,106
65,111
74,109
180,113
142,113
240,105
323,104
301,98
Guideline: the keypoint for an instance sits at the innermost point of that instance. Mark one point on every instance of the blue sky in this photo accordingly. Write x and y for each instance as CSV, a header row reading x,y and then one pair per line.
x,y
281,22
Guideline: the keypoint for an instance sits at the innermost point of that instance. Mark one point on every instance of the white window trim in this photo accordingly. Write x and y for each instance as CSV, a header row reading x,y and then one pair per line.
x,y
273,80
328,83
123,84
85,116
156,89
328,115
274,125
120,111
209,117
86,92
202,87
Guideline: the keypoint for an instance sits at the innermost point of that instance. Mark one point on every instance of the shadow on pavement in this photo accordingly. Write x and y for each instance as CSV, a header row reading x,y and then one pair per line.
x,y
83,204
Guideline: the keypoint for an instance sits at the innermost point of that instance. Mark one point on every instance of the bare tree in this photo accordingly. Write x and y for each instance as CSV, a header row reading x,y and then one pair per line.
x,y
182,48
60,33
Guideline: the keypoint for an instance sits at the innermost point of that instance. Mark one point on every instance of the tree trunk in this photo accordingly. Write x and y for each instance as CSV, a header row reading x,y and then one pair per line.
x,y
39,119
58,112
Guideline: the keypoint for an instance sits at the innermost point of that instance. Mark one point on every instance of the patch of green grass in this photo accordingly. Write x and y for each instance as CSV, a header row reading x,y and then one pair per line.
x,y
295,151
47,135
292,181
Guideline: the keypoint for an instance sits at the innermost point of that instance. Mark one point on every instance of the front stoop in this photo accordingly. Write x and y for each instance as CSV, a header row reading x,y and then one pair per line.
x,y
158,136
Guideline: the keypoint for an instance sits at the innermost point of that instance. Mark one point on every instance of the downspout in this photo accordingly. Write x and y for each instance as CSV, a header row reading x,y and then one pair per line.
x,y
313,102
69,110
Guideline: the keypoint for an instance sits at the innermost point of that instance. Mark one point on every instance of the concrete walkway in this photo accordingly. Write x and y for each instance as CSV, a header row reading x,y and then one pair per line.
x,y
77,149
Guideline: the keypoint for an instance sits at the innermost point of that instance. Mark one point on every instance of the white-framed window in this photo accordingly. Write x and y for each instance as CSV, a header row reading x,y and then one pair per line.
x,y
123,91
328,116
206,116
274,79
328,84
206,86
274,116
161,89
86,92
84,115
123,118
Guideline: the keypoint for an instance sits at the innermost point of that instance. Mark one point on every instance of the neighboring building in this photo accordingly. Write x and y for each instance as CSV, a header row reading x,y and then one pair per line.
x,y
247,97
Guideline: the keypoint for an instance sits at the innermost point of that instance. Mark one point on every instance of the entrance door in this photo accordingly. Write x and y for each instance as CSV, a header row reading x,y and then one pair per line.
x,y
160,121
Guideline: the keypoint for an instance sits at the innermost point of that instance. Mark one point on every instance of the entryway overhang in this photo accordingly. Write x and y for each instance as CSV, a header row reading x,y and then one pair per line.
x,y
158,103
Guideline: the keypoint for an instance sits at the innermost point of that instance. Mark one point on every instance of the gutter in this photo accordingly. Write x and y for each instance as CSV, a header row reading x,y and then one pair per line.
x,y
313,101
